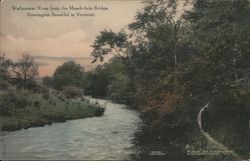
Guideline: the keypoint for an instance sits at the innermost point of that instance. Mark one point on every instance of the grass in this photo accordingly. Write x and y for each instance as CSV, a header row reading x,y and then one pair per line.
x,y
40,111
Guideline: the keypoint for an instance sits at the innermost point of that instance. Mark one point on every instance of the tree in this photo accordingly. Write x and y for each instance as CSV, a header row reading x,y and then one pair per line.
x,y
67,74
5,65
151,45
119,87
72,92
48,81
97,82
26,69
117,44
158,22
221,32
110,80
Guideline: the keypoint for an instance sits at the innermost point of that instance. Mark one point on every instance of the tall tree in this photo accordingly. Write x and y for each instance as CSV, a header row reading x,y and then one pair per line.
x,y
98,82
26,69
150,45
158,23
67,74
118,44
221,38
221,32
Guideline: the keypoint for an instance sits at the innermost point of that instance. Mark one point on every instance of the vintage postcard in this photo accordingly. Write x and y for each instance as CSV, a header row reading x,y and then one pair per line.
x,y
125,80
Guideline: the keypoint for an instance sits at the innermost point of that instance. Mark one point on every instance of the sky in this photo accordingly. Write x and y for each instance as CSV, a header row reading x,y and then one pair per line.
x,y
54,40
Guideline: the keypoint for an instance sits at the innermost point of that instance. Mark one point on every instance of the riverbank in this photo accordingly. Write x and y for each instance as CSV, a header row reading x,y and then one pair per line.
x,y
155,146
27,109
109,137
172,129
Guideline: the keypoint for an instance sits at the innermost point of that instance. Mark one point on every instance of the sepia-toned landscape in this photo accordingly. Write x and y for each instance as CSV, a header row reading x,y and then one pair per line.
x,y
125,80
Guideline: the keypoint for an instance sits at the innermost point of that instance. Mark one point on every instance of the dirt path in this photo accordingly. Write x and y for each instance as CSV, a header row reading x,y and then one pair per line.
x,y
212,140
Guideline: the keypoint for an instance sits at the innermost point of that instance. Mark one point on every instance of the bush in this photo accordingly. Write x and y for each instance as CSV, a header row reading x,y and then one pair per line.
x,y
61,98
99,111
37,104
4,85
21,103
46,96
10,101
52,102
40,89
6,106
29,103
72,92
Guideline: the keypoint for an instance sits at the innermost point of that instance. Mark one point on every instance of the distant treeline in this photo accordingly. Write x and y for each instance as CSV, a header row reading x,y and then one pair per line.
x,y
108,80
26,102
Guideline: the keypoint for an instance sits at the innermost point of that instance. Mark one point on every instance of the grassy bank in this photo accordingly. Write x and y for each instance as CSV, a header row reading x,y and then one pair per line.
x,y
172,122
24,109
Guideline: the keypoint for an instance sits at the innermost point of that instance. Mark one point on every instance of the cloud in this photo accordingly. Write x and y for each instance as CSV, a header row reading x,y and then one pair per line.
x,y
67,37
74,43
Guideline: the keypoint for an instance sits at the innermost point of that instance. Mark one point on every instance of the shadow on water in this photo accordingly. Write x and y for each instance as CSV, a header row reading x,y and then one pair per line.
x,y
152,147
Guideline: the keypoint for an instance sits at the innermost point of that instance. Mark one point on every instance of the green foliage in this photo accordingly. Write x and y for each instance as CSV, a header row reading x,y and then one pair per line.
x,y
6,107
72,91
108,41
21,73
220,30
99,111
97,82
157,43
37,104
4,85
110,80
200,56
26,70
229,119
48,81
5,65
67,74
46,96
37,111
120,87
11,101
39,89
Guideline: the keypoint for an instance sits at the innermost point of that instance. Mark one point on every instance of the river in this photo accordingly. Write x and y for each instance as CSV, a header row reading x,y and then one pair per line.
x,y
109,137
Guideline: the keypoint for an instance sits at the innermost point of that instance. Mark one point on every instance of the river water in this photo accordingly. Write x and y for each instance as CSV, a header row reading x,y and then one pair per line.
x,y
97,138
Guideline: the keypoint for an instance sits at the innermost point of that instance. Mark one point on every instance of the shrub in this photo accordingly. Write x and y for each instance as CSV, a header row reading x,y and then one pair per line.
x,y
72,92
46,96
37,104
99,111
6,109
4,85
40,89
29,103
52,102
6,106
10,101
18,100
61,98
21,102
83,99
